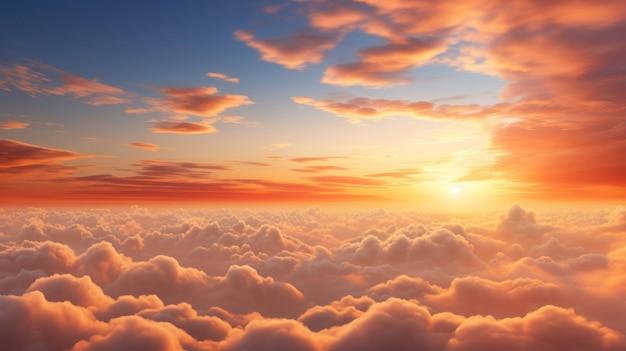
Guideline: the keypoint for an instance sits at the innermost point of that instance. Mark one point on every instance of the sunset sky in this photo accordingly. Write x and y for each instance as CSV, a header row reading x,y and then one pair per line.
x,y
399,103
313,175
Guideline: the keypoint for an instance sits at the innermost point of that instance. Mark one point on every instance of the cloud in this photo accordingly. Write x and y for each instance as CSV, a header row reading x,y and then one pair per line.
x,y
144,146
317,169
364,108
561,66
22,161
550,327
33,78
15,153
470,296
400,174
51,326
200,101
230,278
197,101
12,125
274,334
275,146
182,128
347,180
91,92
317,159
251,163
78,291
381,66
222,76
293,52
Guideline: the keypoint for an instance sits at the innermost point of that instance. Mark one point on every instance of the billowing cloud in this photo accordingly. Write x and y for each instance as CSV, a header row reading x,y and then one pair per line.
x,y
228,279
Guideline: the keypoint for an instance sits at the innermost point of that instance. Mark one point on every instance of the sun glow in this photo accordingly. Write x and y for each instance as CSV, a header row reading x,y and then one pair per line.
x,y
455,190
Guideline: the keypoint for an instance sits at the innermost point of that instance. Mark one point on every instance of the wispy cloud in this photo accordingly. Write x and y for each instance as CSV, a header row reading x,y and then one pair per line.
x,y
12,125
293,52
182,128
275,146
307,159
144,146
222,76
33,78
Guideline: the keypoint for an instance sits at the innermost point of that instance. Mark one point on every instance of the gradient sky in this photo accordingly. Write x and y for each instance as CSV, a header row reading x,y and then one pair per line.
x,y
411,103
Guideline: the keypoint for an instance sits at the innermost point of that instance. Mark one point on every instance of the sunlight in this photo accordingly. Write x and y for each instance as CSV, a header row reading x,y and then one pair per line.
x,y
455,190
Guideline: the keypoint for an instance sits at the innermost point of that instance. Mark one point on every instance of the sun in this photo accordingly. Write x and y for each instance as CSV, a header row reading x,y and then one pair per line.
x,y
455,190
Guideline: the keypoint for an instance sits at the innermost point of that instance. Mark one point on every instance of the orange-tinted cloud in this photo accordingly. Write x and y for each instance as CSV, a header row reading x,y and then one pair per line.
x,y
144,146
364,108
222,76
251,163
293,52
197,101
182,128
90,91
400,174
562,65
15,154
317,169
347,180
32,79
275,146
307,159
11,125
166,169
200,101
232,279
381,66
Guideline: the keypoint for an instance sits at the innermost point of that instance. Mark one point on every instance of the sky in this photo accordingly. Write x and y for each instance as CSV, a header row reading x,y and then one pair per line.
x,y
313,175
407,104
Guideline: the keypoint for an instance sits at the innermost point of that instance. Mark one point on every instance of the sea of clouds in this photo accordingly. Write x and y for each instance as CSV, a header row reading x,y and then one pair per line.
x,y
233,279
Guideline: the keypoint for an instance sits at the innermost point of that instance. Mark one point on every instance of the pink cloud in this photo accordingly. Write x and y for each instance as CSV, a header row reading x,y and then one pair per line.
x,y
227,279
293,52
182,128
200,101
381,66
364,108
16,154
32,78
222,76
12,125
144,146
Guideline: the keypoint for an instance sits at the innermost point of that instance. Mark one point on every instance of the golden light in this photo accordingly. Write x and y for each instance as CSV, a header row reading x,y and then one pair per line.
x,y
455,190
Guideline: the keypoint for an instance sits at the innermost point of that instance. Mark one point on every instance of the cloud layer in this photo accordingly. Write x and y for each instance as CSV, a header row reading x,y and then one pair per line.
x,y
310,280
